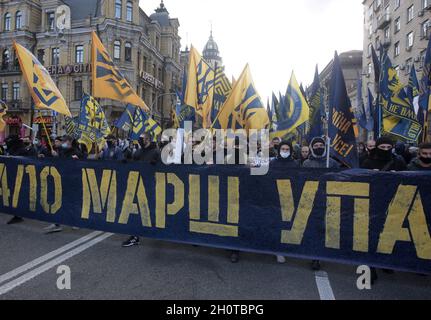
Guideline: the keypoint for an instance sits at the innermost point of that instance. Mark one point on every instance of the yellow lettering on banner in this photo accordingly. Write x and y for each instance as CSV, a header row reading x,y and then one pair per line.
x,y
333,222
214,227
178,204
194,197
103,198
213,199
173,208
4,191
393,231
233,200
303,211
135,188
58,190
335,191
160,200
31,171
18,184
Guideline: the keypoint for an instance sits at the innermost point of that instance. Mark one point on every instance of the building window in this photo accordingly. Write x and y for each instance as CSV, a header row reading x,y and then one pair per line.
x,y
4,91
129,11
18,20
16,91
145,64
78,90
128,52
370,30
410,13
117,50
160,74
7,21
426,4
157,43
5,59
397,4
422,55
370,69
55,56
397,24
387,33
410,39
79,54
425,29
397,69
409,64
50,20
397,49
41,55
118,5
369,50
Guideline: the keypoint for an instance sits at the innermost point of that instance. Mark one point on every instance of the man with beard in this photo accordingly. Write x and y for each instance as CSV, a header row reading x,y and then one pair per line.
x,y
423,161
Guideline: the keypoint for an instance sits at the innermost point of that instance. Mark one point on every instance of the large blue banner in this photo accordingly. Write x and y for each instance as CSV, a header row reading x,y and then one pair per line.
x,y
354,216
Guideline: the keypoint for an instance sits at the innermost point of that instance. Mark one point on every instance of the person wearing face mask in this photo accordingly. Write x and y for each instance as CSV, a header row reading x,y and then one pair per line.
x,y
285,158
383,159
318,158
371,145
423,161
112,151
41,150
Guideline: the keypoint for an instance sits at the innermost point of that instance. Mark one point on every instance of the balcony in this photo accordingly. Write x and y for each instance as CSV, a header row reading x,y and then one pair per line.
x,y
383,21
17,105
9,69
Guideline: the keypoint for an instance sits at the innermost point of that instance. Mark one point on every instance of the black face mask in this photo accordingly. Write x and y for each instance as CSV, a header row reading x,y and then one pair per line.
x,y
425,160
319,152
110,144
383,154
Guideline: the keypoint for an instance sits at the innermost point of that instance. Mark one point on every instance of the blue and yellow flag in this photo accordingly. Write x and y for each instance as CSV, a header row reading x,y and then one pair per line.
x,y
342,122
92,126
293,110
222,90
42,88
136,121
399,117
200,86
425,95
108,81
317,108
243,108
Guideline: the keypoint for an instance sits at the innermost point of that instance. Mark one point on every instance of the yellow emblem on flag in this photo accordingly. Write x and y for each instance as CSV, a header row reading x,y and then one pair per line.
x,y
42,88
200,86
108,81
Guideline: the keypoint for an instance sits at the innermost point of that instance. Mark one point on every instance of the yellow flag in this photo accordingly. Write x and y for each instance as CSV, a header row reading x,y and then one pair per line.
x,y
200,86
293,113
43,90
3,110
243,108
108,81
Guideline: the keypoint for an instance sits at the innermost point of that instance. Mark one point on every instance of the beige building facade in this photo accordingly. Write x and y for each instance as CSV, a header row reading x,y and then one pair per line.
x,y
145,48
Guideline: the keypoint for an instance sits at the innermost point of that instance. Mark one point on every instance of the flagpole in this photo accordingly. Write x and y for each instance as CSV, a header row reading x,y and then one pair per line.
x,y
46,132
328,140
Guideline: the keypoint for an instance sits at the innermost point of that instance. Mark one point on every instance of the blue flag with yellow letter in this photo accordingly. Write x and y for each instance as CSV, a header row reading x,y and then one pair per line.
x,y
342,123
399,117
136,121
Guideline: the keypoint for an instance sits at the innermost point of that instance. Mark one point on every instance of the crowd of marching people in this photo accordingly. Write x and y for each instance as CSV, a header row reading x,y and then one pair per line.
x,y
381,155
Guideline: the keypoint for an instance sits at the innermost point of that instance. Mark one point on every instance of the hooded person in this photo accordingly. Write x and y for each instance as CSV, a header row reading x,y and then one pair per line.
x,y
285,156
383,159
402,150
318,155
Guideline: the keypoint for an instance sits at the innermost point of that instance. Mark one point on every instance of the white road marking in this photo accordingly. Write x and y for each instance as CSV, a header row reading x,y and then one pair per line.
x,y
48,256
324,286
45,267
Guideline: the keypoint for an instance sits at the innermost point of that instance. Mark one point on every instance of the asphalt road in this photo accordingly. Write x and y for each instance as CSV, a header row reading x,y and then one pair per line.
x,y
102,269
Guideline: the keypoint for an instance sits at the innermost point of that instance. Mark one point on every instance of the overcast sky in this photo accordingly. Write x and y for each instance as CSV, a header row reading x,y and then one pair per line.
x,y
273,36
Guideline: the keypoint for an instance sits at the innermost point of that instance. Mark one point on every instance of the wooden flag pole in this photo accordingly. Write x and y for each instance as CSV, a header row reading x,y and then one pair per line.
x,y
47,135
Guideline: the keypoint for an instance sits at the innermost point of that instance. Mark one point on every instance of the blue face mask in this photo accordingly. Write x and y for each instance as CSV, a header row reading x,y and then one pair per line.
x,y
65,146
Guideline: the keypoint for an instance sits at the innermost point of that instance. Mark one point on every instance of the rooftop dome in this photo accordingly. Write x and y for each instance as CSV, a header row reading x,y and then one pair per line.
x,y
161,15
211,48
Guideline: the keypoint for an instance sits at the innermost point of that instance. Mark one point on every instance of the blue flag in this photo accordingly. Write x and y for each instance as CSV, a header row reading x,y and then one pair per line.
x,y
342,122
376,63
317,109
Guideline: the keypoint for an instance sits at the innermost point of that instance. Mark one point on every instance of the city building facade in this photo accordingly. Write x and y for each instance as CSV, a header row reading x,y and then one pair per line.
x,y
403,27
145,48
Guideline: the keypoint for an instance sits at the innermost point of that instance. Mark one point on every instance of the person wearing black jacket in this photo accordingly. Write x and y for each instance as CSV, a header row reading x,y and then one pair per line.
x,y
285,158
423,161
149,153
381,158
